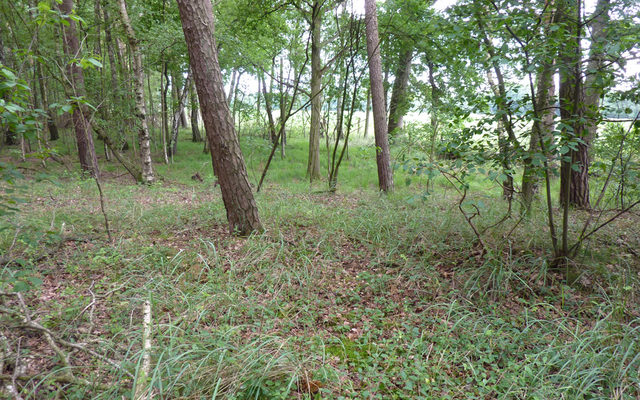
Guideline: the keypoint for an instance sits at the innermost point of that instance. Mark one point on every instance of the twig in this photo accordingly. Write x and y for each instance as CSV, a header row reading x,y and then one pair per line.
x,y
60,378
466,216
91,306
16,373
104,212
50,337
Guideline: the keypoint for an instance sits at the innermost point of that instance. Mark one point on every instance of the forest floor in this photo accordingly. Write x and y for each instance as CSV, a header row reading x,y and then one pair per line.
x,y
346,295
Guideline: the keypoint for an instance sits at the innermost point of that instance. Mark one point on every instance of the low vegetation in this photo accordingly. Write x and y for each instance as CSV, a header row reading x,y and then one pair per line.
x,y
345,295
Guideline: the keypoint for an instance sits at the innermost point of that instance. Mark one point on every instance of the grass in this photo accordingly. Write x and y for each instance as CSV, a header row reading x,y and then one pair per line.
x,y
353,294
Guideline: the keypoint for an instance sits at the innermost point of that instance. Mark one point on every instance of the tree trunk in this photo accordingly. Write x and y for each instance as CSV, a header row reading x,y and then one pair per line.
x,y
84,138
544,98
141,112
313,164
283,141
504,107
97,13
435,103
51,126
383,156
196,137
110,52
593,88
198,26
367,112
178,88
232,86
164,86
235,98
503,145
398,104
176,116
574,170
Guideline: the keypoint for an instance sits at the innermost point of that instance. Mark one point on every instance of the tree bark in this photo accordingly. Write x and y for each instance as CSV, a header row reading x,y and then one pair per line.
x,y
397,105
84,138
141,112
383,156
593,90
198,26
313,164
574,169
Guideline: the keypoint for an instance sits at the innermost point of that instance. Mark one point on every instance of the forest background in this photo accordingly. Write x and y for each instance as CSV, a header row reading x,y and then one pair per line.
x,y
319,199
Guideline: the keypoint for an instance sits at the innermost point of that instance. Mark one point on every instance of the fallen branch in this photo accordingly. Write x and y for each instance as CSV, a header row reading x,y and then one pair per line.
x,y
60,378
54,341
145,370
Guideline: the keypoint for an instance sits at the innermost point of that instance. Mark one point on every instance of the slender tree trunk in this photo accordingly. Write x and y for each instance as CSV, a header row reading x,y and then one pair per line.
x,y
367,112
545,94
232,84
183,115
177,90
235,97
268,101
503,104
141,112
267,106
51,125
435,103
259,100
198,26
84,138
196,137
503,145
398,104
152,116
164,85
176,117
97,13
113,68
283,141
383,156
313,164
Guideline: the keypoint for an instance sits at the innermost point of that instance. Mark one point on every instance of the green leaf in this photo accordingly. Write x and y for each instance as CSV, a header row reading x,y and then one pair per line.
x,y
20,286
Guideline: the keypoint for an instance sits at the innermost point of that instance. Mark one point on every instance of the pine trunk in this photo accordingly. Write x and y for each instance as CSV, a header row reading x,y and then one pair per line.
x,y
383,156
313,165
84,138
228,162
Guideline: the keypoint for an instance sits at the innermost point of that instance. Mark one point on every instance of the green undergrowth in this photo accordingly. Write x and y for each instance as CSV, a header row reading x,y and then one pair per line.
x,y
346,295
